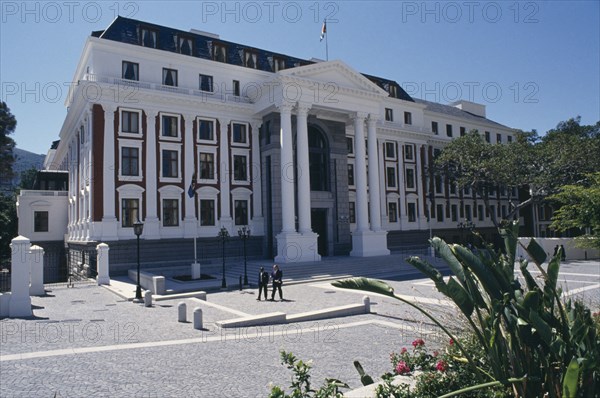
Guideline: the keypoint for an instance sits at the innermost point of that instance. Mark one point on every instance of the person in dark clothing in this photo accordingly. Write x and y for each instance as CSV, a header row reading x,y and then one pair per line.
x,y
263,283
563,257
277,278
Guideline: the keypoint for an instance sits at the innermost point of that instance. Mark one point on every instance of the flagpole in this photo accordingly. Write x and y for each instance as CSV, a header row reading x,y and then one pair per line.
x,y
326,41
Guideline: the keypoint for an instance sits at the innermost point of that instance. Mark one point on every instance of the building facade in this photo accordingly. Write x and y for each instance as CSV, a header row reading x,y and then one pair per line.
x,y
190,134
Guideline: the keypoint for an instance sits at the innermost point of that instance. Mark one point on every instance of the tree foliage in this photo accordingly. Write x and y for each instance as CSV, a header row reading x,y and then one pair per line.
x,y
580,208
8,123
8,220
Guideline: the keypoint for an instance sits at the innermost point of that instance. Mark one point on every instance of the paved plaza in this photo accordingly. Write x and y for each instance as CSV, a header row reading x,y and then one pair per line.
x,y
88,341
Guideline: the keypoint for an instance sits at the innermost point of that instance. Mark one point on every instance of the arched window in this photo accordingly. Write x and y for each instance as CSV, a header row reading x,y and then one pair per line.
x,y
318,157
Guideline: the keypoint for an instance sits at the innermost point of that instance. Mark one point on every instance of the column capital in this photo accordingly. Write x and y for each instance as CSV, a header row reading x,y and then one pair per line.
x,y
108,107
373,119
223,121
303,108
255,124
285,107
151,111
360,116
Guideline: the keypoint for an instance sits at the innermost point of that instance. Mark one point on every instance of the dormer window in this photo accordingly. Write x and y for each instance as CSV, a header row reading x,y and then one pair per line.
x,y
148,38
278,64
393,90
184,44
219,52
250,59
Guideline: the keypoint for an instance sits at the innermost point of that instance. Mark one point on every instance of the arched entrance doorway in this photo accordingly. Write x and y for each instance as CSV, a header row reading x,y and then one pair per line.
x,y
318,153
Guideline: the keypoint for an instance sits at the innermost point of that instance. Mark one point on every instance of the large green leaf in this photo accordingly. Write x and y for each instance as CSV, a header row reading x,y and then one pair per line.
x,y
544,330
460,296
426,268
531,301
366,284
571,379
510,235
446,253
550,286
536,252
487,278
531,284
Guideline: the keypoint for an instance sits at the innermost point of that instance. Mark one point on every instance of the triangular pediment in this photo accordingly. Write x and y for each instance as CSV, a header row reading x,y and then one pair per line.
x,y
336,72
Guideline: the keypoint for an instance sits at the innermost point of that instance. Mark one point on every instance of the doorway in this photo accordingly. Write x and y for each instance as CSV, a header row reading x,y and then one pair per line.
x,y
319,226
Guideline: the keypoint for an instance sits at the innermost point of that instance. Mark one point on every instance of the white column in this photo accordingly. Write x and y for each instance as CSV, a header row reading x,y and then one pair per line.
x,y
360,170
382,188
109,220
374,203
287,169
36,261
304,221
189,221
151,224
20,301
256,173
420,193
224,175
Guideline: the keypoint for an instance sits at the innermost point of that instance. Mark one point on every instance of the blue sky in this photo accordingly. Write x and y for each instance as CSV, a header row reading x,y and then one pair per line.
x,y
532,63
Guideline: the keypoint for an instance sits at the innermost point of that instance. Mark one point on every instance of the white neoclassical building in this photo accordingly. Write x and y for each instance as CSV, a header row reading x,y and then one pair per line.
x,y
190,133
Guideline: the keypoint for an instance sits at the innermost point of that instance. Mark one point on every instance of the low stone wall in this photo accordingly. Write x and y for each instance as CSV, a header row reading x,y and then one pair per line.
x,y
548,244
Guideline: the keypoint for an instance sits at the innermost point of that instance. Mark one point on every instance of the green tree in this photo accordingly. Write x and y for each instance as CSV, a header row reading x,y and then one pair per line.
x,y
8,123
8,220
28,178
580,208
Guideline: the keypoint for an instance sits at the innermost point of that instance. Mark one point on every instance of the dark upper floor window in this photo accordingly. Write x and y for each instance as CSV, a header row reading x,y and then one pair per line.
x,y
236,88
393,91
487,137
206,130
350,145
390,150
434,127
130,122
169,126
130,70
250,59
206,83
463,131
449,130
407,118
169,77
148,38
409,152
278,64
219,52
240,133
40,221
499,138
318,152
185,45
389,115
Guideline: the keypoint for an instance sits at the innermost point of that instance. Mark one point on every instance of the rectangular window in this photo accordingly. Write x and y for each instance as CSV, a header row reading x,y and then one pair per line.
x,y
351,212
206,130
412,212
170,164
434,128
487,136
207,212
439,186
449,130
207,166
409,153
439,213
391,177
389,115
393,212
130,71
509,138
240,172
480,212
390,150
236,88
467,190
148,38
206,83
454,212
129,212
130,122
170,212
240,134
350,145
241,212
350,174
185,45
40,221
278,64
407,118
219,52
410,179
463,131
468,212
393,91
499,138
250,59
130,161
169,77
453,188
169,126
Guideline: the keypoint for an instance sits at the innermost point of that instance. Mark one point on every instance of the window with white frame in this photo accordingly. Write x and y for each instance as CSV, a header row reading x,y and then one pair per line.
x,y
350,174
239,133
40,221
410,178
130,71
219,52
390,150
240,168
170,212
434,128
169,77
454,212
185,45
130,209
389,115
206,83
468,214
439,213
391,176
393,212
130,161
407,118
411,209
130,121
409,152
206,130
148,37
240,212
169,163
250,59
206,162
207,212
169,126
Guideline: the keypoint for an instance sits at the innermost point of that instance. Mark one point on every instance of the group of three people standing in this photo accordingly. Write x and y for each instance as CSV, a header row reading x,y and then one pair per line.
x,y
263,282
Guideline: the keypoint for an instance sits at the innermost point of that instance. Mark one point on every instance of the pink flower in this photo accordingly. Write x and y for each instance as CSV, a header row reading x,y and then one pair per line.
x,y
402,368
451,342
418,343
441,365
403,350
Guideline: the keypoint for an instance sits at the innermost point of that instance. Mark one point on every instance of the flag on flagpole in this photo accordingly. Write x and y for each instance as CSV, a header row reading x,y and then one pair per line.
x,y
323,30
192,188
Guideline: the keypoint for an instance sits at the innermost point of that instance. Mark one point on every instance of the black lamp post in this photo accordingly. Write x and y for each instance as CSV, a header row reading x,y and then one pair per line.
x,y
223,234
138,228
244,233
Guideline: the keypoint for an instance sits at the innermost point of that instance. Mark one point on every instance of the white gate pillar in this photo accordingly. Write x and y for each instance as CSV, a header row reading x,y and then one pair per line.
x,y
20,302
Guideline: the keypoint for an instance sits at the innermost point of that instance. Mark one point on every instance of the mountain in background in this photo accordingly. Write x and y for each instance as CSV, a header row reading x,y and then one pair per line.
x,y
24,160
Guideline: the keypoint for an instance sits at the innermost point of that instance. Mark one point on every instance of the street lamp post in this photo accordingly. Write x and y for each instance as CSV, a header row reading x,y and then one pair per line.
x,y
244,233
223,234
138,228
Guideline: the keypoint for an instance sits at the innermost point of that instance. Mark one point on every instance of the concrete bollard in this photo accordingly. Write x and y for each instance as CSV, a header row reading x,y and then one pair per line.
x,y
197,318
20,301
36,259
103,277
181,312
147,298
367,303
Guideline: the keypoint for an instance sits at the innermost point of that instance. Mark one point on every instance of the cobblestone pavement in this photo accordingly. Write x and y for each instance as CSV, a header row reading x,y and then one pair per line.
x,y
88,342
